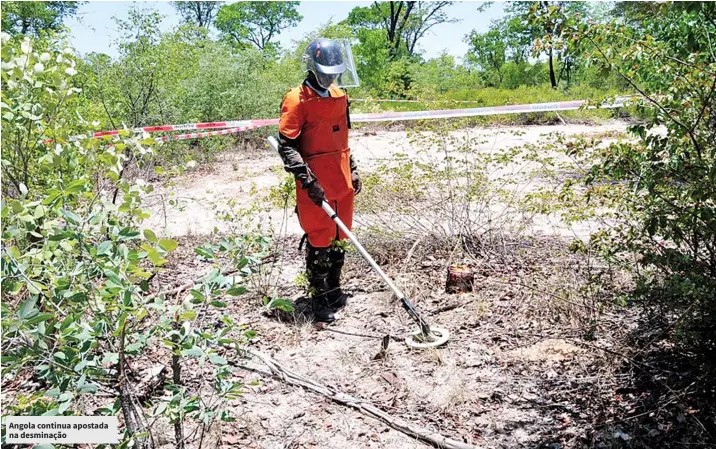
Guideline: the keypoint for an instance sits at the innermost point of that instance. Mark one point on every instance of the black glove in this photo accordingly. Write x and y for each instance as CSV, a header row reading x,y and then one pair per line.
x,y
357,183
315,192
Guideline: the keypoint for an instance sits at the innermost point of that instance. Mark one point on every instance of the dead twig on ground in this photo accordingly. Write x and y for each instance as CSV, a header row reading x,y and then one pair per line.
x,y
365,407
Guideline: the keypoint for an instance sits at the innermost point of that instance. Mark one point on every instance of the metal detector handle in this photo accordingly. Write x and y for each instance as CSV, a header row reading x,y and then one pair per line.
x,y
331,213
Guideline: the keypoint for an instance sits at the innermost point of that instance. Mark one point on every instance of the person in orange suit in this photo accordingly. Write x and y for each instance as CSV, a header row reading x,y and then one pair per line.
x,y
313,143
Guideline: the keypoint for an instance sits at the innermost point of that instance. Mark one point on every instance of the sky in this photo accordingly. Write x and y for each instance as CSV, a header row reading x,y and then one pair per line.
x,y
94,29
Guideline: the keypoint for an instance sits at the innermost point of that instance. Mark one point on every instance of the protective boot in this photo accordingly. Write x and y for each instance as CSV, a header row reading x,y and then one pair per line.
x,y
317,268
336,298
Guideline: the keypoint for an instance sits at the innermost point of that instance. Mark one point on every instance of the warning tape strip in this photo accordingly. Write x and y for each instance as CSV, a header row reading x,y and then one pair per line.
x,y
473,112
244,125
205,134
388,100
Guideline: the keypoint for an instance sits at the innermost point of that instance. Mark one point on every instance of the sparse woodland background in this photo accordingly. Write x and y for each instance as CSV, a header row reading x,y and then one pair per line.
x,y
78,268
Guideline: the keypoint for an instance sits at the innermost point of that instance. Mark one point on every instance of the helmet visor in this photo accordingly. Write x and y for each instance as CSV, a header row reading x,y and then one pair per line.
x,y
325,80
331,67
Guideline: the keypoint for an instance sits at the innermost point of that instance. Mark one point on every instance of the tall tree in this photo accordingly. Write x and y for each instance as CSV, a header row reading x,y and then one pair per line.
x,y
199,13
36,18
256,23
424,16
546,21
404,23
487,50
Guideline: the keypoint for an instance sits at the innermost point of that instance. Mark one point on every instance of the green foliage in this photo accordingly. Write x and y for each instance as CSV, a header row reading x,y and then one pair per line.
x,y
256,23
283,195
667,215
38,88
539,28
488,51
402,24
76,268
36,18
197,13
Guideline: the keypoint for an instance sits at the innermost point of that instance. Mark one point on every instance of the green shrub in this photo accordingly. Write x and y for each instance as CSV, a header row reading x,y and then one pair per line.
x,y
668,215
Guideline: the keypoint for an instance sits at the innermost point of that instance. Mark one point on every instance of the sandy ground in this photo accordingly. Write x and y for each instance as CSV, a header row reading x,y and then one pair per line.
x,y
247,177
533,360
500,382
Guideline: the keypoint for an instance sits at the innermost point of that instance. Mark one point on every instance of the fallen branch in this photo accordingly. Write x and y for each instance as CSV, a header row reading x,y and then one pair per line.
x,y
171,292
184,287
365,407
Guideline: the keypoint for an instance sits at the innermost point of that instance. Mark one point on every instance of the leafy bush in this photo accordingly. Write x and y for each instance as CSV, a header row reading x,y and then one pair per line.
x,y
76,268
667,215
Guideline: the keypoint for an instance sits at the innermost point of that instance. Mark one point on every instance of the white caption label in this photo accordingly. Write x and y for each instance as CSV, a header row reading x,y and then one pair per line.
x,y
61,429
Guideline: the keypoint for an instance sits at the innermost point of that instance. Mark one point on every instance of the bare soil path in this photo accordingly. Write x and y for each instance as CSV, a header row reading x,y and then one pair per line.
x,y
529,364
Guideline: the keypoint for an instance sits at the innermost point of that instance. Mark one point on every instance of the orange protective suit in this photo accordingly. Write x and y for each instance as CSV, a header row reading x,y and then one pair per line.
x,y
321,126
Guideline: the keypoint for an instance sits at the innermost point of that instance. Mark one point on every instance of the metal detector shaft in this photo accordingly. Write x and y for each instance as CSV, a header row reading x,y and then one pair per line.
x,y
409,307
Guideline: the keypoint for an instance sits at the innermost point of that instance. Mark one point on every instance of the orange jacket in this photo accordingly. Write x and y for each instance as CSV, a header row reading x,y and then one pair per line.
x,y
320,124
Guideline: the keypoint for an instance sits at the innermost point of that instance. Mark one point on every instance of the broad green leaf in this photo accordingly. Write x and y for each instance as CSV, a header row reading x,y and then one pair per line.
x,y
77,186
111,358
133,348
27,309
205,253
187,315
39,318
236,291
193,352
155,257
88,388
168,245
128,233
53,393
71,217
63,407
39,211
104,248
160,409
217,359
150,235
34,287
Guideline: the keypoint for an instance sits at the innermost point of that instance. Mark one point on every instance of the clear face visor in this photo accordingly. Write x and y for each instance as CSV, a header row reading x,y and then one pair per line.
x,y
342,75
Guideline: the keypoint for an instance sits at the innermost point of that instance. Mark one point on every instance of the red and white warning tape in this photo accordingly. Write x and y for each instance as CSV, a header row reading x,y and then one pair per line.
x,y
234,126
492,110
388,100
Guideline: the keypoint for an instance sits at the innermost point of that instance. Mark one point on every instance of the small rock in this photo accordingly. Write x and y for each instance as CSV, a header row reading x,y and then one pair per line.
x,y
497,394
621,434
654,433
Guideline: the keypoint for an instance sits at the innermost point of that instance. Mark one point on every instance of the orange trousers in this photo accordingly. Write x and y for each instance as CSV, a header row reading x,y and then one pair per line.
x,y
321,231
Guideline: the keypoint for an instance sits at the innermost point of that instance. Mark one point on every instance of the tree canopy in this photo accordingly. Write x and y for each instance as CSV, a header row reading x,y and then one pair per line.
x,y
199,13
256,23
36,18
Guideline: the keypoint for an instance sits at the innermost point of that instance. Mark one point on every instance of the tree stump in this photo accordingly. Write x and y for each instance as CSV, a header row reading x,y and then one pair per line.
x,y
460,279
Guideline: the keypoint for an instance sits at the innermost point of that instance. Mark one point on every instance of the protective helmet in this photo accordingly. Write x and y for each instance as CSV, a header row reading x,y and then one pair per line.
x,y
328,59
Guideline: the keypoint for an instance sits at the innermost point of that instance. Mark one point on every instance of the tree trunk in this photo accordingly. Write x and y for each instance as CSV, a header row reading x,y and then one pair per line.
x,y
552,78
